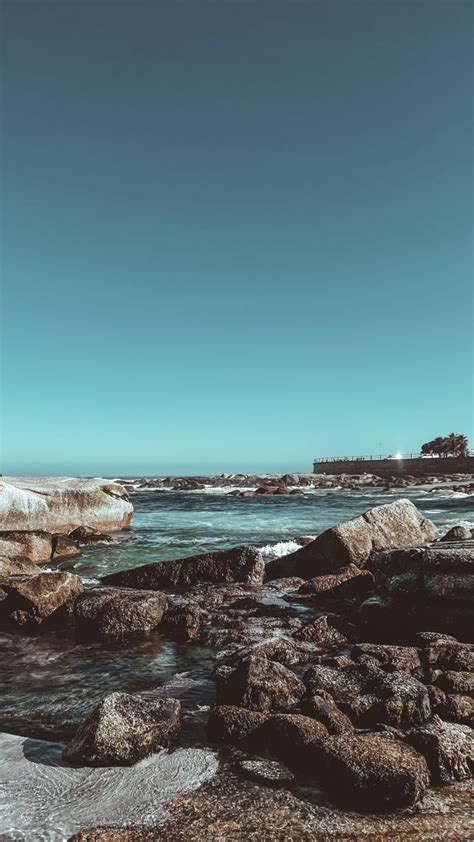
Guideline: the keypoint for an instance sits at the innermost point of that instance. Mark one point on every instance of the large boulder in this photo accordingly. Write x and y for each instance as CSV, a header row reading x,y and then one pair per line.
x,y
292,737
34,546
448,749
116,613
258,684
123,729
431,587
32,601
369,695
372,773
240,564
391,526
9,567
60,504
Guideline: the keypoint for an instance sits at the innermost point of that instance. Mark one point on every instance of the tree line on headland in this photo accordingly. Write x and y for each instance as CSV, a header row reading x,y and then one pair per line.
x,y
456,444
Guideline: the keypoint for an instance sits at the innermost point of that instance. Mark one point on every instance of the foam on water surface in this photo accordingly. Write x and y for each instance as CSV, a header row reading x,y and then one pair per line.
x,y
37,791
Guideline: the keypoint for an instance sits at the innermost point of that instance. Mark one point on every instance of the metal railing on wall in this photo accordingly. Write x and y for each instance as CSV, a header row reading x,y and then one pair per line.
x,y
382,458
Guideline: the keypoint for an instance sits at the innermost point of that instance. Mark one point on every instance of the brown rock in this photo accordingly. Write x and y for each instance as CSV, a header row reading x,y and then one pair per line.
x,y
241,564
391,658
30,601
64,547
118,613
235,725
457,533
372,773
448,749
324,709
258,684
322,584
292,737
26,546
184,621
320,632
123,729
391,526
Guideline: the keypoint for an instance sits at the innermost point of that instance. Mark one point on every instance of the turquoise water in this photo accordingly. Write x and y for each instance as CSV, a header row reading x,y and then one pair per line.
x,y
50,682
173,524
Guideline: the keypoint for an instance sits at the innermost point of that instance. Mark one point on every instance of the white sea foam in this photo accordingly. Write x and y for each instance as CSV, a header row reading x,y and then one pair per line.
x,y
42,799
270,551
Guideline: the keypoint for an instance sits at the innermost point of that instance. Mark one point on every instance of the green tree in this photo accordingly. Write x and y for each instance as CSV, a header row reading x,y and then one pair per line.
x,y
456,444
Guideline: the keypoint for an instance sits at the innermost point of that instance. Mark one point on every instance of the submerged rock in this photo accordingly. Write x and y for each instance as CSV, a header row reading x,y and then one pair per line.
x,y
116,613
372,773
241,564
258,684
123,729
28,602
391,526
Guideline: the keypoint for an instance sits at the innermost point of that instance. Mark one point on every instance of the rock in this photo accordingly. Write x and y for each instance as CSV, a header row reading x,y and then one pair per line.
x,y
241,564
322,584
369,695
30,601
324,709
60,504
457,708
284,650
457,533
321,633
8,567
123,729
391,658
448,749
391,526
258,684
372,773
441,651
34,546
64,547
235,725
433,586
456,682
269,772
118,613
292,737
183,622
86,535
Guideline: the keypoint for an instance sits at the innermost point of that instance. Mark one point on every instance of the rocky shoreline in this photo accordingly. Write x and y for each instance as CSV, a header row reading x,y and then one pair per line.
x,y
348,662
251,485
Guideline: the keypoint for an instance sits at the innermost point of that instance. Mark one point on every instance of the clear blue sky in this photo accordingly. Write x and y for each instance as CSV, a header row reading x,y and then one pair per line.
x,y
236,235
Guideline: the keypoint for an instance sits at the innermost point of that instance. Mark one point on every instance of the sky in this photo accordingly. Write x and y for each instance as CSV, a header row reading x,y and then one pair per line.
x,y
235,235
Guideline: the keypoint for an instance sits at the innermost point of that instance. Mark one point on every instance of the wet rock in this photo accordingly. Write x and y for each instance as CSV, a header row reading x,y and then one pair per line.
x,y
86,535
118,613
183,622
391,658
457,533
258,684
64,547
123,729
456,682
391,526
292,737
35,546
320,632
372,773
235,725
448,749
368,694
322,584
284,650
324,709
28,602
60,504
269,772
241,564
